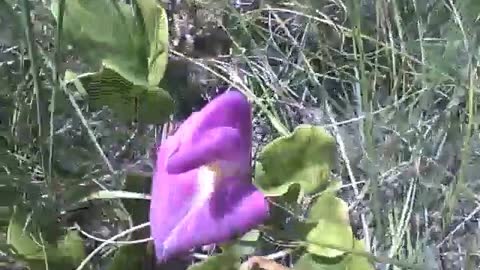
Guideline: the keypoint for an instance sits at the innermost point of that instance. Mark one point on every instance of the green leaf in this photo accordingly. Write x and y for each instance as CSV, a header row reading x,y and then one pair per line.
x,y
105,31
129,102
225,261
312,262
246,244
332,228
332,237
328,206
134,50
128,257
350,261
20,238
108,32
72,248
355,262
154,106
67,253
329,235
303,158
156,26
108,88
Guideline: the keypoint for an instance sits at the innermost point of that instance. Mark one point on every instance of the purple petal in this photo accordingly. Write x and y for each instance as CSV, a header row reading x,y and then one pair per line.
x,y
202,191
233,210
230,109
218,143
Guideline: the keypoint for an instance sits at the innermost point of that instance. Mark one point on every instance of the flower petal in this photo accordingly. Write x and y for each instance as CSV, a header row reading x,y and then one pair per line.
x,y
219,143
230,109
233,209
202,191
224,217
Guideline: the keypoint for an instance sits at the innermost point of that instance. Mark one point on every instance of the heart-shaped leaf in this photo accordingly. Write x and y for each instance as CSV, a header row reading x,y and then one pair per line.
x,y
332,228
19,236
246,244
328,206
348,262
105,32
356,262
156,27
133,44
312,262
129,257
154,106
71,247
147,104
329,235
108,88
66,254
303,158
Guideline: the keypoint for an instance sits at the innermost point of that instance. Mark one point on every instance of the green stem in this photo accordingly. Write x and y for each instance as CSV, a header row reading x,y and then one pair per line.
x,y
55,85
458,186
41,102
367,109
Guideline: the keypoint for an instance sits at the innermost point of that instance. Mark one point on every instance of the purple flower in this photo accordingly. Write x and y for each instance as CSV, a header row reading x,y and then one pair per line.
x,y
202,191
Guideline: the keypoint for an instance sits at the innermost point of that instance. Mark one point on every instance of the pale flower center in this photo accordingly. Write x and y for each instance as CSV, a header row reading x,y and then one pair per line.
x,y
210,176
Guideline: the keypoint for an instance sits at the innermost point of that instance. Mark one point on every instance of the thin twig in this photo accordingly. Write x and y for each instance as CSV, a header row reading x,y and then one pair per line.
x,y
351,176
108,241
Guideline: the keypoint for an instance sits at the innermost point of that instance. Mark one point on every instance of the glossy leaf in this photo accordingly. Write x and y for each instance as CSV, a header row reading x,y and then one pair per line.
x,y
72,248
246,244
332,228
156,27
348,262
135,45
154,106
21,239
328,206
128,257
303,158
129,102
312,262
108,88
65,254
355,262
132,48
327,235
105,31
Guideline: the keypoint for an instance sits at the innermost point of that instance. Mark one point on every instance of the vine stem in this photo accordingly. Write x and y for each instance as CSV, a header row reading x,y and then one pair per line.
x,y
109,241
